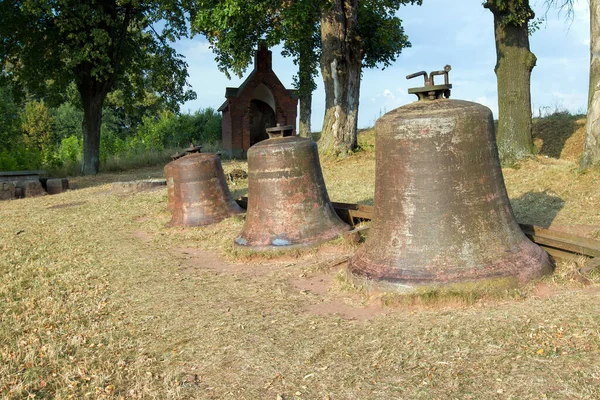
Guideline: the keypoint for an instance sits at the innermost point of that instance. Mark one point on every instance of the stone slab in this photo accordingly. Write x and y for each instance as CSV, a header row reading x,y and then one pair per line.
x,y
13,176
137,186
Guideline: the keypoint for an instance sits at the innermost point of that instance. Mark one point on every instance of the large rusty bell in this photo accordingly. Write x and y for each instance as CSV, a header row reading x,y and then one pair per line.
x,y
288,205
199,194
441,211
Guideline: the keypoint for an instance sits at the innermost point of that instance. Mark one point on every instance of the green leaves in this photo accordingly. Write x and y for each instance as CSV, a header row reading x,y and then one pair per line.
x,y
511,12
114,42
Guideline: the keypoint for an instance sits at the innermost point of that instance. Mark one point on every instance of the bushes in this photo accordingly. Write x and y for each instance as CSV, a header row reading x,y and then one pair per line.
x,y
51,138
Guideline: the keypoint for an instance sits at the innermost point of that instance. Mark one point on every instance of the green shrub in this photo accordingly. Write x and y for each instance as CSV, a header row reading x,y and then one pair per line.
x,y
70,149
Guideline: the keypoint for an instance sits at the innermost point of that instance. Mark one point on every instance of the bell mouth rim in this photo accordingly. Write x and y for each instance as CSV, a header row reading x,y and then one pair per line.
x,y
538,265
292,246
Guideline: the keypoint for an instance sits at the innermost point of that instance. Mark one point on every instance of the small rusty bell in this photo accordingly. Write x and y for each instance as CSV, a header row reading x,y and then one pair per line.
x,y
192,149
199,193
288,205
441,211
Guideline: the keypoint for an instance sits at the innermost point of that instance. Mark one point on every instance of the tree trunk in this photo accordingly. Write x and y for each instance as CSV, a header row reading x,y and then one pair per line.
x,y
306,86
93,93
305,115
514,63
341,64
591,147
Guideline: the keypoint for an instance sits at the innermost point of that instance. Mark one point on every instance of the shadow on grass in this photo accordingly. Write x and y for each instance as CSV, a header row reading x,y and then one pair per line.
x,y
554,131
537,208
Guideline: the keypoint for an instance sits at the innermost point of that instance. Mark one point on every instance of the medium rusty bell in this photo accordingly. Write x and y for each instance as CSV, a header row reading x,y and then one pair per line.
x,y
441,211
199,194
288,205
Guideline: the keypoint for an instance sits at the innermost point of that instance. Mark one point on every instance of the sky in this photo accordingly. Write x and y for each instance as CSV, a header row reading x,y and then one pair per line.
x,y
455,32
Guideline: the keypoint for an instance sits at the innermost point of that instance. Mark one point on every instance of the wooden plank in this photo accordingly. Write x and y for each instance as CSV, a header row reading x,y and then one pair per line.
x,y
592,244
563,241
359,211
557,253
557,244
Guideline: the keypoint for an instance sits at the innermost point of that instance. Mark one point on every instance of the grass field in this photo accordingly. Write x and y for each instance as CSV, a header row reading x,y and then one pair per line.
x,y
99,299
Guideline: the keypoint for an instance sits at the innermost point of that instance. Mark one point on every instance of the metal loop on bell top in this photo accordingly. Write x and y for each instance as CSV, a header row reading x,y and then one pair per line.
x,y
431,91
280,131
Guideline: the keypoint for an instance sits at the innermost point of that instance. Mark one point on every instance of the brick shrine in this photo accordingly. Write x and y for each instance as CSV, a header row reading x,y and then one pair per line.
x,y
260,102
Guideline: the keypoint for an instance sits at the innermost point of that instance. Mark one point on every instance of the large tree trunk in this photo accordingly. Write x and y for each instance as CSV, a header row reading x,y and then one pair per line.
x,y
514,63
93,93
591,147
341,64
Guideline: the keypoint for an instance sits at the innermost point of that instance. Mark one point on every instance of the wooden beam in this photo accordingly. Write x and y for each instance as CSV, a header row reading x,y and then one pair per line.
x,y
557,244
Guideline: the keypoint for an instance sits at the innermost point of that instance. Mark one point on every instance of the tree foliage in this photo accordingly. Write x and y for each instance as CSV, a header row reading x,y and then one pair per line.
x,y
234,28
45,45
511,12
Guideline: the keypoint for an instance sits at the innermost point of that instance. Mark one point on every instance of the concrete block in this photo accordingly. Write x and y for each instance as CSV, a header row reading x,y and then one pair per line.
x,y
7,190
54,186
31,188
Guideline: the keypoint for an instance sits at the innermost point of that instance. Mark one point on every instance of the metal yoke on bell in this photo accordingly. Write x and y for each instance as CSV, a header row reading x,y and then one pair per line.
x,y
199,194
441,210
288,204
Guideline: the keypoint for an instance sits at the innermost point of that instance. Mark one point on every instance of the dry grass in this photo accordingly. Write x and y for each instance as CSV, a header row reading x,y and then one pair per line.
x,y
98,299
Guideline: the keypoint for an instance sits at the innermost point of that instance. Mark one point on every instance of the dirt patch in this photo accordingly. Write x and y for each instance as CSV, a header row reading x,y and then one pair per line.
x,y
543,290
66,205
347,311
193,259
319,284
143,236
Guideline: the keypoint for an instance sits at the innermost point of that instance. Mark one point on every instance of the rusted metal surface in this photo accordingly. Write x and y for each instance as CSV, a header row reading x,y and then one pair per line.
x,y
431,91
177,156
441,212
170,185
288,204
199,193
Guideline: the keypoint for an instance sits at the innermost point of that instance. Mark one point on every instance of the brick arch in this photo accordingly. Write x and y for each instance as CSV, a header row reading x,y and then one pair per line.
x,y
263,93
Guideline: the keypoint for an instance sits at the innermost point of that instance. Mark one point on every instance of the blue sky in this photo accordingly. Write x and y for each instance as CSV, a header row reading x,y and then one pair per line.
x,y
455,32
